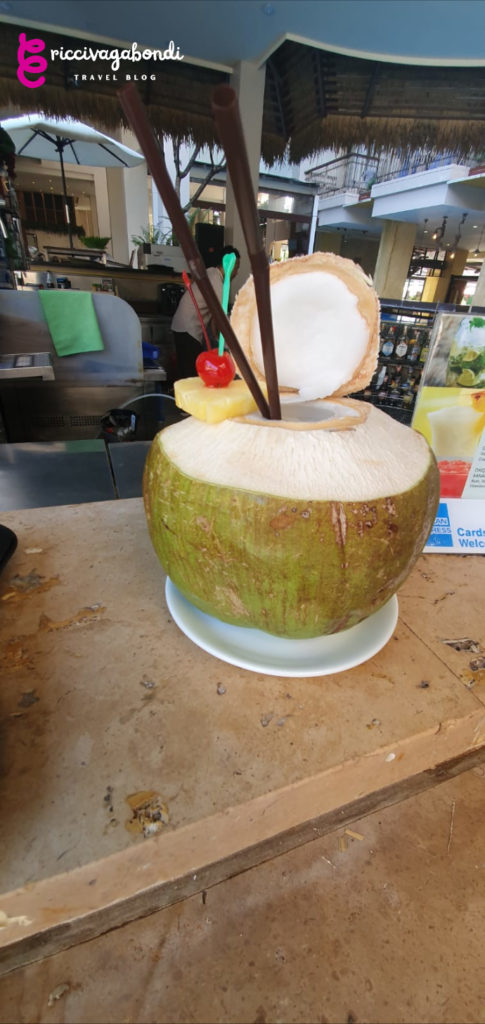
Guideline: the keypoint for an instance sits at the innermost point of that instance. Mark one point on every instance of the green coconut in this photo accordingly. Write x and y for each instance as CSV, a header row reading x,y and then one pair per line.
x,y
307,525
310,549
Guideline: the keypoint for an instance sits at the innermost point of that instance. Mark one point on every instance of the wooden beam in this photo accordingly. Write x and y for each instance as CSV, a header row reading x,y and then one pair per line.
x,y
319,77
48,916
274,83
373,79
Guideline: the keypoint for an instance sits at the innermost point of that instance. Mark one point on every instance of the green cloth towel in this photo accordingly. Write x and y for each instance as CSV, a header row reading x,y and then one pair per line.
x,y
72,321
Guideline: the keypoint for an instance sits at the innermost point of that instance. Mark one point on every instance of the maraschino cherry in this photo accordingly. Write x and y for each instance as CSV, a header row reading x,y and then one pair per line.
x,y
216,371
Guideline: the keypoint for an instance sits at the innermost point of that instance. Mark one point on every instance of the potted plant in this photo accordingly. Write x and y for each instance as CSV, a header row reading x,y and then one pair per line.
x,y
95,242
152,236
158,248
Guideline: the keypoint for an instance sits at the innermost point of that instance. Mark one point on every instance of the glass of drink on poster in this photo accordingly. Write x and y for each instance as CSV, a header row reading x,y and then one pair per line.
x,y
466,360
450,410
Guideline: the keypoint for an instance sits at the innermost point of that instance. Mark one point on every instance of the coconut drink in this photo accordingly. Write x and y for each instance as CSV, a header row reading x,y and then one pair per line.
x,y
306,525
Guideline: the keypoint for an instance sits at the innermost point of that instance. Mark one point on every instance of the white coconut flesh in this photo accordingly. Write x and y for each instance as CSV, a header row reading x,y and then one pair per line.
x,y
325,325
297,414
378,458
321,335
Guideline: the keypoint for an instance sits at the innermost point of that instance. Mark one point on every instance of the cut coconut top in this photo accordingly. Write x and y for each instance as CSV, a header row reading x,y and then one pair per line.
x,y
379,458
325,323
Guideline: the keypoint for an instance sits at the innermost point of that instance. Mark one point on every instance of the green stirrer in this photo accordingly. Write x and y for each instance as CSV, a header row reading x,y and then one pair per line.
x,y
228,264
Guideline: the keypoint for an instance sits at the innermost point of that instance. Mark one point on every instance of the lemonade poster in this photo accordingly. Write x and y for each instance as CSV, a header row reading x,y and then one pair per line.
x,y
450,412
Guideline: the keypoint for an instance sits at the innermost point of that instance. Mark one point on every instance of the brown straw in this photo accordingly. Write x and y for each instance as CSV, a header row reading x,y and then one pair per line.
x,y
228,120
138,119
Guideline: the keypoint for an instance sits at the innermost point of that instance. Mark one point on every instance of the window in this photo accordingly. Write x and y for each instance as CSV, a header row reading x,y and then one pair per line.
x,y
45,211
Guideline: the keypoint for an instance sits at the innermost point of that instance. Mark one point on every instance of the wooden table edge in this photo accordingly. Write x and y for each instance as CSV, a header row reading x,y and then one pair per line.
x,y
61,911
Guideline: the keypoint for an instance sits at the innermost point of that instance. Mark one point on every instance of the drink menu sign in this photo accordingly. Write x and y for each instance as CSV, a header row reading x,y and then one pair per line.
x,y
450,412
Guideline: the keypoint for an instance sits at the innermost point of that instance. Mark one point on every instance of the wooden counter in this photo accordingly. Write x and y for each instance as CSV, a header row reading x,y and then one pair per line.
x,y
104,698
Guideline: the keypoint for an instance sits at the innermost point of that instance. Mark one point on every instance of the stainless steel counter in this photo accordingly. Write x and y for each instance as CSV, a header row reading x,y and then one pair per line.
x,y
54,473
69,473
127,464
25,366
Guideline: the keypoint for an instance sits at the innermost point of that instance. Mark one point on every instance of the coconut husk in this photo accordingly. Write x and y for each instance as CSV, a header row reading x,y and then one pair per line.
x,y
355,280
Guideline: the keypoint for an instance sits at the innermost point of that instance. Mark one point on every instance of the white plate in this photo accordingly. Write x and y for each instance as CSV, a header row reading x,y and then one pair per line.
x,y
276,656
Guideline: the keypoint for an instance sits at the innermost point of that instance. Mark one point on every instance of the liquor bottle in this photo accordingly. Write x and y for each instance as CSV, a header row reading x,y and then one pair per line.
x,y
378,378
402,346
423,355
387,346
415,348
395,389
410,338
403,391
414,385
381,390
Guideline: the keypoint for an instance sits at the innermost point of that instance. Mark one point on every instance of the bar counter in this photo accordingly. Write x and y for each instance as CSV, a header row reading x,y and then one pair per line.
x,y
139,770
135,286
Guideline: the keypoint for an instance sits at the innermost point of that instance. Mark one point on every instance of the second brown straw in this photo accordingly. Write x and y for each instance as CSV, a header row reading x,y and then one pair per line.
x,y
138,120
228,120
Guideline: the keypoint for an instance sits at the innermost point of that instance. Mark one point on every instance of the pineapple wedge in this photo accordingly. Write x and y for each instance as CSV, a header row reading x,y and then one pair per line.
x,y
213,404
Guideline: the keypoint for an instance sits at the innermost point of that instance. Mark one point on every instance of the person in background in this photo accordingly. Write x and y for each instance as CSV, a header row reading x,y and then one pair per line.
x,y
186,328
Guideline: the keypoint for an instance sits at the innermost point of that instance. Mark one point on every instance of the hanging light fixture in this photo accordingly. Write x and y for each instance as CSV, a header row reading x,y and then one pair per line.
x,y
438,233
458,236
476,252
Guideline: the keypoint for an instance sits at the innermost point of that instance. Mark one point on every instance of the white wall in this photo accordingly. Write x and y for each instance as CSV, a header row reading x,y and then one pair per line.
x,y
128,207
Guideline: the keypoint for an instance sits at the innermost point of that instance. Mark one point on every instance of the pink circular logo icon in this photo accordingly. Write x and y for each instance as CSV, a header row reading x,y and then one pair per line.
x,y
29,63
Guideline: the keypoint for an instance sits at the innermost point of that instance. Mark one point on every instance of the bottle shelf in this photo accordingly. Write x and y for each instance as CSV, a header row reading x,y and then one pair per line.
x,y
13,253
395,383
392,361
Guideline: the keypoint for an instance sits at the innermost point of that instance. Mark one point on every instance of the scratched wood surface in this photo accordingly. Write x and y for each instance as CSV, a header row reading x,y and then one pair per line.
x,y
289,940
103,698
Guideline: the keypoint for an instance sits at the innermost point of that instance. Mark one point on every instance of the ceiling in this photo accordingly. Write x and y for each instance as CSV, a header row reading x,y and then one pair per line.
x,y
423,59
315,97
223,32
471,231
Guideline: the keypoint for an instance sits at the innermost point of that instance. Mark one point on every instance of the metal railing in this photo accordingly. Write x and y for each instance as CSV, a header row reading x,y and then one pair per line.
x,y
395,166
353,172
358,172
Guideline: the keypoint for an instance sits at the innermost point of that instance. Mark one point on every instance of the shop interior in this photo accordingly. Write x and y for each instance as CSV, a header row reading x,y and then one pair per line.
x,y
301,812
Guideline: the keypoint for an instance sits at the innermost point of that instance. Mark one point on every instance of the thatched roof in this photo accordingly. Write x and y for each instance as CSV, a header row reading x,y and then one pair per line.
x,y
321,100
314,99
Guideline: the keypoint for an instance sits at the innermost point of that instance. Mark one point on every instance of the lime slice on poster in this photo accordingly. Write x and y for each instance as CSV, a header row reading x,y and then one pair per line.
x,y
466,378
469,356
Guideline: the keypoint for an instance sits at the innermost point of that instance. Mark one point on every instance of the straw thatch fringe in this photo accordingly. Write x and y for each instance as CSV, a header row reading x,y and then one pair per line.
x,y
314,100
462,139
458,137
58,102
104,111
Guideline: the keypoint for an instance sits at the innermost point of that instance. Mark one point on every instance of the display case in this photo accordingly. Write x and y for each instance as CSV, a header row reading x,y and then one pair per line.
x,y
405,337
13,252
